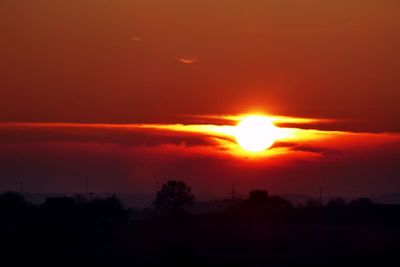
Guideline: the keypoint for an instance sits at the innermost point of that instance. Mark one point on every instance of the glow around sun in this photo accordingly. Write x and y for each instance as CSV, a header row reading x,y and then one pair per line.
x,y
256,133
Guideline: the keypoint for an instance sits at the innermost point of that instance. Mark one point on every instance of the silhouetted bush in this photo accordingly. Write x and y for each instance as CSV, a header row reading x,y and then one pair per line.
x,y
336,202
80,199
313,203
109,208
261,205
361,203
59,204
277,202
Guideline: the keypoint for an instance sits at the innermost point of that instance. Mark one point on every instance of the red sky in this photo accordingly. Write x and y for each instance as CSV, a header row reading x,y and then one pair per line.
x,y
138,61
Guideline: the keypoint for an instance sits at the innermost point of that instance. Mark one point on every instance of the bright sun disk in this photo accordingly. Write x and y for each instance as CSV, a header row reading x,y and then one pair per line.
x,y
256,133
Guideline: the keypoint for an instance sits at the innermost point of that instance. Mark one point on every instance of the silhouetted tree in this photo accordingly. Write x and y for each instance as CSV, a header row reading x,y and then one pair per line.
x,y
261,205
258,197
13,207
172,196
12,201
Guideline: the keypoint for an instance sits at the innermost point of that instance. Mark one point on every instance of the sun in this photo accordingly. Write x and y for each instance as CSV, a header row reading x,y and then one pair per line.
x,y
256,133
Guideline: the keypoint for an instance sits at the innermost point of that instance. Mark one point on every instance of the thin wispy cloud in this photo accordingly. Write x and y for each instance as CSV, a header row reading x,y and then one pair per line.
x,y
136,39
187,60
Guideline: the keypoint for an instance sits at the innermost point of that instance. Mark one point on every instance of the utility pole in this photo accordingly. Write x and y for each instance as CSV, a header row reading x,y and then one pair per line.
x,y
88,193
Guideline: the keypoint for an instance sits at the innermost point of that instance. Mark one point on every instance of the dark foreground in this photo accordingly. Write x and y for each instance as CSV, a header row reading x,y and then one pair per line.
x,y
102,233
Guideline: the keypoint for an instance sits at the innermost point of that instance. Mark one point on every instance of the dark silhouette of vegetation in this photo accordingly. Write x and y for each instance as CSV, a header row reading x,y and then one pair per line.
x,y
361,202
12,201
80,199
258,197
336,202
13,208
261,230
172,196
259,201
313,203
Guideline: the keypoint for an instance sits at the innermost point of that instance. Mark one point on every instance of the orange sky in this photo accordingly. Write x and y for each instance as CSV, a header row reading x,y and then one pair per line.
x,y
117,61
174,62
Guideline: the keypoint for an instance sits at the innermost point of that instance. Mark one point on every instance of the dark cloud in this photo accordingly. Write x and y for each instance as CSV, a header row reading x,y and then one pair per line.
x,y
318,150
107,134
291,146
283,144
371,125
122,160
